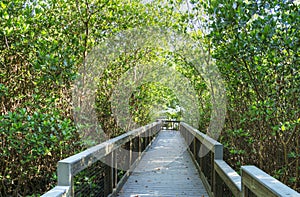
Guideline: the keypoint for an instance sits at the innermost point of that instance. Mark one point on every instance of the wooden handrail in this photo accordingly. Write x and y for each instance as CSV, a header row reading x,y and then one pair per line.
x,y
170,124
207,141
227,176
220,179
69,167
259,183
58,191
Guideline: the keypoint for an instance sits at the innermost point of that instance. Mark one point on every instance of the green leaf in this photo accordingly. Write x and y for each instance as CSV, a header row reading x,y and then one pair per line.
x,y
2,5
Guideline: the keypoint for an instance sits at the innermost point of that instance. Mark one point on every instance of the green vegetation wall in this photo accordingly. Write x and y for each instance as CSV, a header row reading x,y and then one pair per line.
x,y
256,47
42,46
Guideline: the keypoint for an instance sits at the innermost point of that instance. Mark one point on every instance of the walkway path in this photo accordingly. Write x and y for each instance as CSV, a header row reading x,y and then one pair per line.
x,y
166,169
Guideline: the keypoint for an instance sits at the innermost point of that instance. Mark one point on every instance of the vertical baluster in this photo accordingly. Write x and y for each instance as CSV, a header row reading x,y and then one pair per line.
x,y
130,154
115,168
108,177
217,185
194,148
139,146
212,169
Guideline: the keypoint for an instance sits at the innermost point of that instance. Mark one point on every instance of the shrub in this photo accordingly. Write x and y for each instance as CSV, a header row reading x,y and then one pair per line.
x,y
31,145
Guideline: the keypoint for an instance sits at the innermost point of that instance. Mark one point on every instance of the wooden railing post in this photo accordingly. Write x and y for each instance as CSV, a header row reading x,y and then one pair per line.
x,y
140,146
144,142
130,153
146,139
108,177
217,154
212,180
65,177
202,158
151,134
115,168
135,148
217,185
194,148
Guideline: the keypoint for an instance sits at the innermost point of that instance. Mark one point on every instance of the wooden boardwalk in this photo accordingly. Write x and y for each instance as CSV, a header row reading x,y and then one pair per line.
x,y
166,169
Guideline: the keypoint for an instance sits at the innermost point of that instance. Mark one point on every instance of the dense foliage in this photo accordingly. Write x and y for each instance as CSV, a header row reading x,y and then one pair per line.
x,y
43,44
256,47
29,144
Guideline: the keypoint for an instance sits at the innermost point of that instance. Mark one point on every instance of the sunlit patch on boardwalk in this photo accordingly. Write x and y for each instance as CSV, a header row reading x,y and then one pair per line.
x,y
166,169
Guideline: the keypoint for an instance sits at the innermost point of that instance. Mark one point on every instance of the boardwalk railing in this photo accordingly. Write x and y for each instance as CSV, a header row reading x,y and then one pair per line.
x,y
102,169
170,124
220,179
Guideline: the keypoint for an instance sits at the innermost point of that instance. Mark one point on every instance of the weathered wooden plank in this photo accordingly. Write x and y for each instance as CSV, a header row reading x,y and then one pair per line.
x,y
58,191
166,169
207,141
262,184
86,158
229,176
